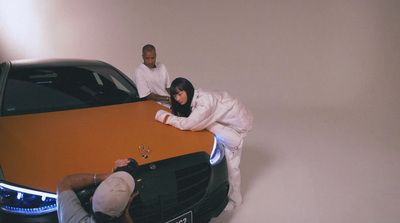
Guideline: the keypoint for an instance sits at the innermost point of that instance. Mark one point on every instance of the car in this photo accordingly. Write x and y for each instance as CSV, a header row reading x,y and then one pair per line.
x,y
64,116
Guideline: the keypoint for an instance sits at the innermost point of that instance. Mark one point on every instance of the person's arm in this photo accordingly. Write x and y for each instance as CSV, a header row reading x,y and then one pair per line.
x,y
81,180
204,114
156,97
78,181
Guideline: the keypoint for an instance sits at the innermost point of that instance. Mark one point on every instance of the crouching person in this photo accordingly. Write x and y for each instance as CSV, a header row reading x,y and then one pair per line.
x,y
110,202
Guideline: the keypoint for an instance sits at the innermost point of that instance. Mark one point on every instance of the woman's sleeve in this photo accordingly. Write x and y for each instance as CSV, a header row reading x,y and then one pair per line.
x,y
203,115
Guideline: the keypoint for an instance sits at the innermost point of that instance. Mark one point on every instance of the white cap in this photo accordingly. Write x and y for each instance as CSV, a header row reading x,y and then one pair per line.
x,y
113,194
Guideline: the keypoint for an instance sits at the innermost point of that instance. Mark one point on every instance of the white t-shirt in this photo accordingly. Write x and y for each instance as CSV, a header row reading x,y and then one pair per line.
x,y
154,80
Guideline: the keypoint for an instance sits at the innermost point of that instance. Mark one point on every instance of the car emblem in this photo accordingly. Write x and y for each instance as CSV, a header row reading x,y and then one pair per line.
x,y
144,150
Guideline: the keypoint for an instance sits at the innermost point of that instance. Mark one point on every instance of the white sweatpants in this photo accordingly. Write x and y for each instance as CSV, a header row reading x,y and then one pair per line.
x,y
233,143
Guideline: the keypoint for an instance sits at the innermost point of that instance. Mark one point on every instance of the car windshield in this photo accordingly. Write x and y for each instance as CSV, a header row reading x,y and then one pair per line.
x,y
48,89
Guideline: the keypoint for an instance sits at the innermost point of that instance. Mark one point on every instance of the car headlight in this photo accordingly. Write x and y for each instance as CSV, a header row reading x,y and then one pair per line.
x,y
20,200
218,153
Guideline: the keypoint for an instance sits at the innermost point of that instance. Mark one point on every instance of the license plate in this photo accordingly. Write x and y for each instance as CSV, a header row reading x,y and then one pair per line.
x,y
185,218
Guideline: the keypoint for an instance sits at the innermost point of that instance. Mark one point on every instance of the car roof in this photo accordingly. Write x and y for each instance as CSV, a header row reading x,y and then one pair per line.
x,y
54,62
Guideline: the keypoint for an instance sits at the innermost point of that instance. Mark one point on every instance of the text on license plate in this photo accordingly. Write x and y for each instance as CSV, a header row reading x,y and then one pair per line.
x,y
185,218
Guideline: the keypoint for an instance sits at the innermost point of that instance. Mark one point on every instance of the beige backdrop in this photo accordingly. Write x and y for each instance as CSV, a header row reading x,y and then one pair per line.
x,y
305,68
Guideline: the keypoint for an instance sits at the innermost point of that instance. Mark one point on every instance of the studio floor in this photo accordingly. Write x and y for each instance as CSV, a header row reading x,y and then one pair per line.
x,y
317,166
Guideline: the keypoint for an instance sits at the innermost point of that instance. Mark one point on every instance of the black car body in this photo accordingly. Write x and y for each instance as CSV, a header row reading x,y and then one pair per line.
x,y
64,116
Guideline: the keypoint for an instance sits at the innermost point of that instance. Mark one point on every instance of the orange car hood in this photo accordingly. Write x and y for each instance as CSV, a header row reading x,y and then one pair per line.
x,y
37,150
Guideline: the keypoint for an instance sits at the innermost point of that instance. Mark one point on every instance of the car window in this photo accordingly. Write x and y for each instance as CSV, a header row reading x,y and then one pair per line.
x,y
62,88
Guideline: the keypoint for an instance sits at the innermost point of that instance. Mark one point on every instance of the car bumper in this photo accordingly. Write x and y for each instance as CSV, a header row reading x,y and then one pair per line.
x,y
168,189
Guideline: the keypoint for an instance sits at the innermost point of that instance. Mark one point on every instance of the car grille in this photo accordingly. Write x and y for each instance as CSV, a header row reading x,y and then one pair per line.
x,y
184,187
211,203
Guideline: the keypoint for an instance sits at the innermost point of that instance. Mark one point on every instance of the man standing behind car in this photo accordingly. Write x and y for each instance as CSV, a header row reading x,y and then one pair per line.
x,y
111,200
152,78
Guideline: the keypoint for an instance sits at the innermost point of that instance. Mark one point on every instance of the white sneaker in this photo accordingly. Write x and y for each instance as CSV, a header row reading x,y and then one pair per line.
x,y
230,206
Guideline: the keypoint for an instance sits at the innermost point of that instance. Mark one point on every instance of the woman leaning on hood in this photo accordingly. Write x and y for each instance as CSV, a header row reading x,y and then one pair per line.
x,y
218,112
